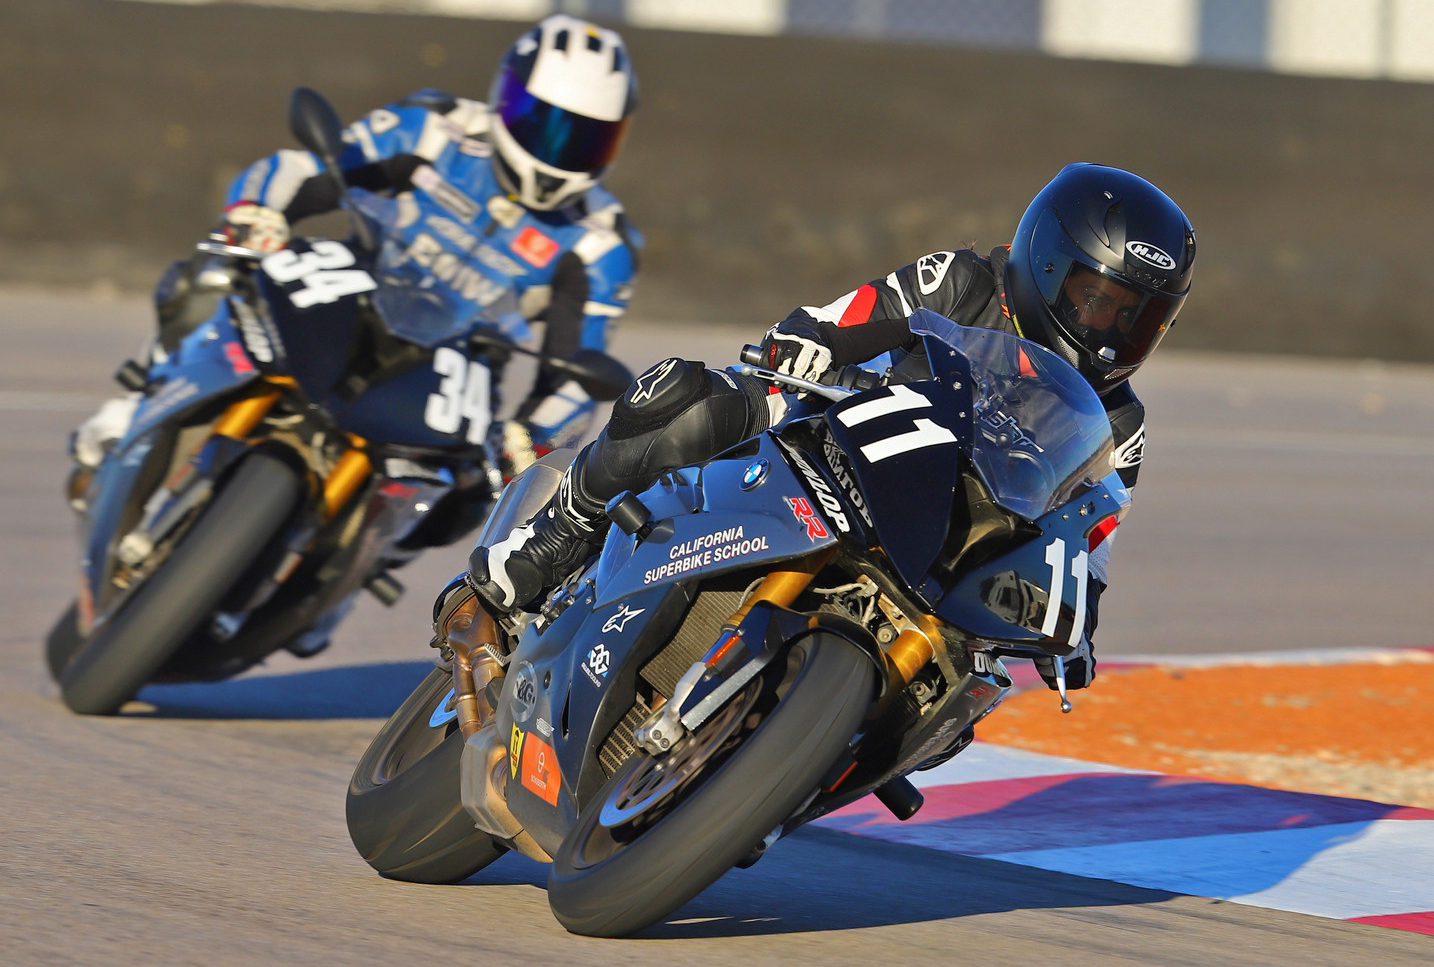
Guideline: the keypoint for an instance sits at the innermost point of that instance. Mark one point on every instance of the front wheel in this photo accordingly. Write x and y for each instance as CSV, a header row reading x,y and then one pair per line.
x,y
238,523
661,830
405,809
63,640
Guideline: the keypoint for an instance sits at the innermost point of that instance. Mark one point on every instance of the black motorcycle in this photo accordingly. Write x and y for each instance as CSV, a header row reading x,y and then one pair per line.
x,y
325,411
805,619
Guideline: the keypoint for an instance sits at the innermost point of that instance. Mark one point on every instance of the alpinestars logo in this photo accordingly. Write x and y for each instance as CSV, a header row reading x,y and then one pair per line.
x,y
1132,451
619,619
931,270
649,381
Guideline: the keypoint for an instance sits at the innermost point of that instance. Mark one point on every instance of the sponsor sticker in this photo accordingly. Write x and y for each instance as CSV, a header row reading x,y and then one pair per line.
x,y
713,548
451,198
597,663
1132,451
525,691
515,749
841,472
171,394
256,339
807,516
238,359
755,473
830,505
540,774
534,247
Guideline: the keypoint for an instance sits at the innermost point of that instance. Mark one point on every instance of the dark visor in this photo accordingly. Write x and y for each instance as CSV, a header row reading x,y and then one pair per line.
x,y
1122,333
1121,323
557,137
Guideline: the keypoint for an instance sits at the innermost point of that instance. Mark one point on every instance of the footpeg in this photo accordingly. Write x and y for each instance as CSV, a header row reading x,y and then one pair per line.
x,y
901,797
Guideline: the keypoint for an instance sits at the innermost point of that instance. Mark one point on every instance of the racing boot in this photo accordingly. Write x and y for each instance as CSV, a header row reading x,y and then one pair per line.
x,y
530,562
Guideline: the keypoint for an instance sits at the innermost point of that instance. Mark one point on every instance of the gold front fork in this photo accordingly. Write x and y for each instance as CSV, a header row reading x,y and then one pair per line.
x,y
352,469
781,588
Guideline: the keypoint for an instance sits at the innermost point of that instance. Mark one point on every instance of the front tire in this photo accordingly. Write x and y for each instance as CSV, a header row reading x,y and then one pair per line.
x,y
405,809
244,516
619,870
63,640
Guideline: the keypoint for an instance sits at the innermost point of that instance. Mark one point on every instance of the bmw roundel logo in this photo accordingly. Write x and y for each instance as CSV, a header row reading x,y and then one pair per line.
x,y
755,474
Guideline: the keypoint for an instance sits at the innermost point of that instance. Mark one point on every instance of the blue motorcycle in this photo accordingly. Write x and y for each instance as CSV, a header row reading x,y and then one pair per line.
x,y
324,412
805,619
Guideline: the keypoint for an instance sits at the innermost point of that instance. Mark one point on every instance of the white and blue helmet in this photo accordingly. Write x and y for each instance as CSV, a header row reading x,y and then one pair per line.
x,y
559,108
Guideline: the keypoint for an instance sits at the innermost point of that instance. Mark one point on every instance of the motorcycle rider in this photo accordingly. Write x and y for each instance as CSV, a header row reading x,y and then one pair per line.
x,y
1097,271
522,173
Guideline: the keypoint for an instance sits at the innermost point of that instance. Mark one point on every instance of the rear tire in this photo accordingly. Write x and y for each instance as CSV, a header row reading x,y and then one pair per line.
x,y
604,883
244,516
405,810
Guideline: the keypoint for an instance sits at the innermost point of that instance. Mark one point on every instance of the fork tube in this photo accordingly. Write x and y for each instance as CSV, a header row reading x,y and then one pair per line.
x,y
352,469
781,588
243,416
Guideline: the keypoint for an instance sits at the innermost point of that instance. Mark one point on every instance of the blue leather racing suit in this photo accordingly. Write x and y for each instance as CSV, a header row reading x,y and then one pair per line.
x,y
571,269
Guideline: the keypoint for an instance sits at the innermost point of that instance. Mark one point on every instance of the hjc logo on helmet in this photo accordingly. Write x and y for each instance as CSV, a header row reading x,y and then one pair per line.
x,y
1150,253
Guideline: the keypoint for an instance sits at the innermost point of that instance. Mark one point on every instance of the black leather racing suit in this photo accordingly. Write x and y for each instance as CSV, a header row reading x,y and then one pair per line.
x,y
678,413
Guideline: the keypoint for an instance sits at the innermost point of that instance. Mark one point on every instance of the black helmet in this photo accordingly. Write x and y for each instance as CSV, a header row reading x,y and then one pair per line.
x,y
1100,266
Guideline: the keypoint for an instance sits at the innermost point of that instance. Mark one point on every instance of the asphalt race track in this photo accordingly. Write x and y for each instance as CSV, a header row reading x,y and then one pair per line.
x,y
1284,508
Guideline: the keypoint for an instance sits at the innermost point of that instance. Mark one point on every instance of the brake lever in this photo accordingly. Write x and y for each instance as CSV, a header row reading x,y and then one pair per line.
x,y
216,245
833,393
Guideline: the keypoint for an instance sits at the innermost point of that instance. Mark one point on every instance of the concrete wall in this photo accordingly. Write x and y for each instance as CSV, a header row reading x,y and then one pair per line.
x,y
765,171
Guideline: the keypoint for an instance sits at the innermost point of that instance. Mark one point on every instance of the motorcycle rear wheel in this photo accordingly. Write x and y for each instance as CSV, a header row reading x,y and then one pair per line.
x,y
404,807
620,870
126,652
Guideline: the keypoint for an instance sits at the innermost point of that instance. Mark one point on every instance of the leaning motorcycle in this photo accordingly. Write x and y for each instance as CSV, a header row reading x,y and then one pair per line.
x,y
333,398
803,620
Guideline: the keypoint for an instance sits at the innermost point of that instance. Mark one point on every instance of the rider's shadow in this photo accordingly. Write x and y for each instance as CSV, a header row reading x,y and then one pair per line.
x,y
370,691
821,880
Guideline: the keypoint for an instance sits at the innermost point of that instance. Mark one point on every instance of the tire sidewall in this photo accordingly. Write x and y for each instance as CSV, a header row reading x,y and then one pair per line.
x,y
730,812
246,513
412,825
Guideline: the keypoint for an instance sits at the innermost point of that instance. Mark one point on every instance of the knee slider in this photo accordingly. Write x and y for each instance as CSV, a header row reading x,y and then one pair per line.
x,y
658,396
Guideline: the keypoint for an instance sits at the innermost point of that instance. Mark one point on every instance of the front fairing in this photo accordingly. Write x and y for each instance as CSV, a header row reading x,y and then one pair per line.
x,y
1014,414
566,689
1033,597
744,509
209,362
207,369
570,684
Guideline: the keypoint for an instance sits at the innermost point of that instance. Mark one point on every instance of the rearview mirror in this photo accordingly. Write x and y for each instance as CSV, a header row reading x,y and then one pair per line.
x,y
316,125
603,377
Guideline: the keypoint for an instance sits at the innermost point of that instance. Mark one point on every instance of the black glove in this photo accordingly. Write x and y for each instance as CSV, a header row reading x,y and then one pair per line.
x,y
1080,667
797,347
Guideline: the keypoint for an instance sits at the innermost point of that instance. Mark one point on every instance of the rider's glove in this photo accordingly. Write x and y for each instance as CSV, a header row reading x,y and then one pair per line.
x,y
1080,667
250,225
797,348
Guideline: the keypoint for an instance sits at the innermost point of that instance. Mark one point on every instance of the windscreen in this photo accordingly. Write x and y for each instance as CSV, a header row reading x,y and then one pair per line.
x,y
1041,429
432,295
